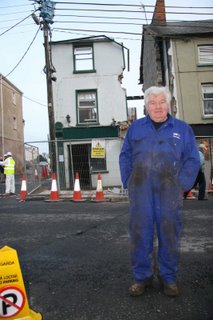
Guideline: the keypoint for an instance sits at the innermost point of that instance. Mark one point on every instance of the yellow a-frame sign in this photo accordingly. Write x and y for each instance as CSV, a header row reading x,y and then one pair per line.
x,y
13,298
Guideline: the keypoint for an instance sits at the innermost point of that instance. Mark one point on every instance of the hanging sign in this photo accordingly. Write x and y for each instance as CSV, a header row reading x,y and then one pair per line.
x,y
98,148
13,299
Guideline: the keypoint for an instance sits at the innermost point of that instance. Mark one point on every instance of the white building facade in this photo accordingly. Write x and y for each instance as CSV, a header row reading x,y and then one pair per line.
x,y
89,101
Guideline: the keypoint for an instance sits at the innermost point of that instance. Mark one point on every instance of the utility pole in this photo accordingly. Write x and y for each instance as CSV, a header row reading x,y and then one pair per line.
x,y
50,97
47,13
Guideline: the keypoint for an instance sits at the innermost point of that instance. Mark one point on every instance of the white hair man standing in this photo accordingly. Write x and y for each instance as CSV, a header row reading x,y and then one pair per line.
x,y
158,161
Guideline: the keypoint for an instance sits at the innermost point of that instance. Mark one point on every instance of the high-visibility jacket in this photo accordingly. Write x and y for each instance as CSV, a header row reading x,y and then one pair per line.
x,y
9,167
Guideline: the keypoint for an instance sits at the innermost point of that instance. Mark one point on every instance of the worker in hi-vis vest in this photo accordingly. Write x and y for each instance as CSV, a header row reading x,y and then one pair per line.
x,y
9,171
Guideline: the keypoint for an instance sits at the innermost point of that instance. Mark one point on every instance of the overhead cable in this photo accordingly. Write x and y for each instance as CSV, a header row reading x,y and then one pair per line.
x,y
127,5
102,31
131,11
24,53
100,22
15,25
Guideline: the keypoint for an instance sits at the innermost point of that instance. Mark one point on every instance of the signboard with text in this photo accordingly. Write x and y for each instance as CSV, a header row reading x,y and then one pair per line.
x,y
98,148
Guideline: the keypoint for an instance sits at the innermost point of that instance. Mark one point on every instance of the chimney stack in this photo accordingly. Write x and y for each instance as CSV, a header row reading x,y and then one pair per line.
x,y
159,15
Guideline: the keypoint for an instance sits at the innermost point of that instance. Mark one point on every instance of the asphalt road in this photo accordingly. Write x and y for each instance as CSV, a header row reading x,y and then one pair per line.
x,y
75,261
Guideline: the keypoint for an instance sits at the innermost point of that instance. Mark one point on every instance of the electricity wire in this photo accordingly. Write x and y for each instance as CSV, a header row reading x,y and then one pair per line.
x,y
15,25
129,11
24,53
127,5
102,31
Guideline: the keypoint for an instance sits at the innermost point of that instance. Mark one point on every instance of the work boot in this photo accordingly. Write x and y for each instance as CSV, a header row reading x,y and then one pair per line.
x,y
137,289
170,290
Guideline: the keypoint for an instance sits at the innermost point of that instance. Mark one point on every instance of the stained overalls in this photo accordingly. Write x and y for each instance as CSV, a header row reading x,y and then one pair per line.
x,y
157,166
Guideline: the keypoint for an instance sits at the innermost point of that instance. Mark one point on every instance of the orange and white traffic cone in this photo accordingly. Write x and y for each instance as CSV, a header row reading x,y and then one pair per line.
x,y
99,190
190,196
54,196
210,186
44,173
23,192
77,190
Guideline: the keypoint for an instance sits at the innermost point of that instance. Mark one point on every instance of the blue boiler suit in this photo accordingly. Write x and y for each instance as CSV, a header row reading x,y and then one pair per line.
x,y
157,166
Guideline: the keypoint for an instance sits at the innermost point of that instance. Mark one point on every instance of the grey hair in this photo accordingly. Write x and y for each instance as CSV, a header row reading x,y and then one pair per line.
x,y
156,91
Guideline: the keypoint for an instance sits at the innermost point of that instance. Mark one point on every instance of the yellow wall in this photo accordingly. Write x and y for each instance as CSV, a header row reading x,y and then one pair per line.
x,y
188,78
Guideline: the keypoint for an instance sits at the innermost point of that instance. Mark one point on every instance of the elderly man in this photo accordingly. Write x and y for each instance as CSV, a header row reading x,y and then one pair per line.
x,y
158,161
9,171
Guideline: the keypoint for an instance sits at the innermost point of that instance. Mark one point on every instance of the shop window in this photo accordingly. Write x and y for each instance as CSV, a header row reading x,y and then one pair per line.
x,y
98,165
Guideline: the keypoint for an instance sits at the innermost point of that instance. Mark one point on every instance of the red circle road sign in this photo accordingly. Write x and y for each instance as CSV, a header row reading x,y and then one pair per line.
x,y
12,301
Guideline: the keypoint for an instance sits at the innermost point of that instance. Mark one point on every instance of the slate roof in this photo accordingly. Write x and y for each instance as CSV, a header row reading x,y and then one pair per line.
x,y
181,28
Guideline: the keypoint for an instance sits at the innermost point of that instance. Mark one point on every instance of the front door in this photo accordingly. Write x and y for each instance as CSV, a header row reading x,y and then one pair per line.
x,y
79,162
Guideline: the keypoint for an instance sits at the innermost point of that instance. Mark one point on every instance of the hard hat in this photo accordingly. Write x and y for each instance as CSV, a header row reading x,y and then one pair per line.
x,y
8,154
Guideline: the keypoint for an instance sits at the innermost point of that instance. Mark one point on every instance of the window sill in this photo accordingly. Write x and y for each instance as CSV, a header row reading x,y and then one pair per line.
x,y
84,71
210,117
88,124
99,171
205,65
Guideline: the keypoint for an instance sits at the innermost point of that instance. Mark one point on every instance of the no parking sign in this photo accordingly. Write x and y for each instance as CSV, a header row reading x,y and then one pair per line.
x,y
13,299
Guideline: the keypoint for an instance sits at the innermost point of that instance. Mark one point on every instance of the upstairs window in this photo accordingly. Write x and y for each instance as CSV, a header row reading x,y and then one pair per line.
x,y
83,59
205,55
207,95
14,98
87,107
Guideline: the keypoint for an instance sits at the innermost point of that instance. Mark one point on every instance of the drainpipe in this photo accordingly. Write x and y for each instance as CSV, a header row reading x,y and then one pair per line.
x,y
167,80
166,64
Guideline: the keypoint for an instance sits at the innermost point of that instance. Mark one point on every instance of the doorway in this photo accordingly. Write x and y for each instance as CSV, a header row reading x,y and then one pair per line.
x,y
79,161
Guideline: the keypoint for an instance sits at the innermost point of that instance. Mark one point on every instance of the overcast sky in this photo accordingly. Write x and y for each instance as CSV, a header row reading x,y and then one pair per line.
x,y
22,53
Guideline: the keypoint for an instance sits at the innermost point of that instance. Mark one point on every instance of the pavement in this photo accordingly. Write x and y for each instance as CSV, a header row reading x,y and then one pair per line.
x,y
75,261
42,191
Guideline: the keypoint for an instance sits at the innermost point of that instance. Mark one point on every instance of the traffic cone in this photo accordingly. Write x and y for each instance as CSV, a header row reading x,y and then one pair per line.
x,y
210,186
23,192
190,195
77,190
44,173
99,190
54,196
